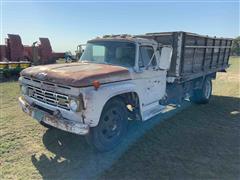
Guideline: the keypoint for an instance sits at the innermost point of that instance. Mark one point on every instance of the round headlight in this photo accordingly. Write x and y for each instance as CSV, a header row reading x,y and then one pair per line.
x,y
24,90
73,105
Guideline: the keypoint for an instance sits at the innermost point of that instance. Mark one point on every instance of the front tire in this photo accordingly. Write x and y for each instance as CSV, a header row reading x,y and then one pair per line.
x,y
111,128
46,125
203,95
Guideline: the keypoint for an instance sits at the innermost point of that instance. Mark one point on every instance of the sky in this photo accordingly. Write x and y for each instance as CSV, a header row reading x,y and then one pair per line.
x,y
70,23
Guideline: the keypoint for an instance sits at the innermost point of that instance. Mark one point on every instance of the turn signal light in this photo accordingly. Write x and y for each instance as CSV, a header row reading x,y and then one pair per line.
x,y
96,84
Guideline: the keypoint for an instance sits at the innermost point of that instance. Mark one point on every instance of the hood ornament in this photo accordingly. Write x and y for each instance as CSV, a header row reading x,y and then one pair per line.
x,y
42,75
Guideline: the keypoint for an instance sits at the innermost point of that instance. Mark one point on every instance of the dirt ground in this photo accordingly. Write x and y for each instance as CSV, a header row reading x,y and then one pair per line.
x,y
191,142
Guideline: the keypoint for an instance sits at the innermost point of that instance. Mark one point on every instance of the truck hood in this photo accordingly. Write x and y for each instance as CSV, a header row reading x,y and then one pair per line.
x,y
78,74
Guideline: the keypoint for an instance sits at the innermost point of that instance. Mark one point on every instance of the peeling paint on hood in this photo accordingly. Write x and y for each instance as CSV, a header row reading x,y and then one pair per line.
x,y
78,74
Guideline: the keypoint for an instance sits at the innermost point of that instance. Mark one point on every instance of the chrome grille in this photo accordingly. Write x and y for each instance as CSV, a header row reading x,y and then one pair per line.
x,y
49,97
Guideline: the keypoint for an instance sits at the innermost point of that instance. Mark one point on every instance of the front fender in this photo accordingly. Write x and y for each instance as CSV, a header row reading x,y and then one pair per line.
x,y
96,99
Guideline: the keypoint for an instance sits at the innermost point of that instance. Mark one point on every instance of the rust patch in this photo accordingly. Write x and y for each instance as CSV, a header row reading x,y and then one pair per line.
x,y
78,74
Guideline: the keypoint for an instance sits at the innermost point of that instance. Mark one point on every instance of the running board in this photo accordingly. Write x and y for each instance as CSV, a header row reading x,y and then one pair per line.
x,y
153,111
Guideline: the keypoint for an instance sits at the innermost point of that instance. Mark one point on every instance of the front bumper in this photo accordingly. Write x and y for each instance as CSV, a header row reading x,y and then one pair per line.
x,y
55,120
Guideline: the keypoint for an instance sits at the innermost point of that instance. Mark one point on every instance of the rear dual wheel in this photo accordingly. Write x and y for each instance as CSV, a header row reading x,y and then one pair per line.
x,y
112,126
203,95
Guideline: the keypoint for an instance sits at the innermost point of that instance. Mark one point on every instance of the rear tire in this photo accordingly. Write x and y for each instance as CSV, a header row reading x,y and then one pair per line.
x,y
202,96
111,128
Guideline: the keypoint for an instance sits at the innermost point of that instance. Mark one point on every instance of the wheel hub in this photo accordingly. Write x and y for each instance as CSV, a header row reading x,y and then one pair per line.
x,y
110,124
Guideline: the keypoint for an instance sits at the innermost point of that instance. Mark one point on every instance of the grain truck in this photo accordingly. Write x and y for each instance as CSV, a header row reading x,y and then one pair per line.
x,y
121,78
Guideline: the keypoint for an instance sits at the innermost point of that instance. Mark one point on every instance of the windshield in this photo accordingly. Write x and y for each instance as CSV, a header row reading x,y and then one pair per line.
x,y
109,52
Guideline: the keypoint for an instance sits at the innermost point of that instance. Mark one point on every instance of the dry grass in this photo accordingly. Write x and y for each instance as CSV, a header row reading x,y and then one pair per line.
x,y
200,142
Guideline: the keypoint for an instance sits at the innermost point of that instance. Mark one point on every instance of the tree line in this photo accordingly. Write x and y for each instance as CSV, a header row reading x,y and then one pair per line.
x,y
236,47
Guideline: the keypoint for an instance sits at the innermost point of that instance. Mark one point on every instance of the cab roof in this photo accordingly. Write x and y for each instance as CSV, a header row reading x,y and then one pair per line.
x,y
123,38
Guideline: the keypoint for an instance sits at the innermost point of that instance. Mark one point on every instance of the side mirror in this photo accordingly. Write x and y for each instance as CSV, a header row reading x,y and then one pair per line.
x,y
165,58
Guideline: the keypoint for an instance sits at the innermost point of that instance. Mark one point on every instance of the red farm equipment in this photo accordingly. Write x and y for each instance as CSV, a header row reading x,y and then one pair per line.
x,y
14,56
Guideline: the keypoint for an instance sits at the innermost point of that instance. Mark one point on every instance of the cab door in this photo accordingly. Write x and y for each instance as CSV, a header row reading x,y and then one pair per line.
x,y
150,80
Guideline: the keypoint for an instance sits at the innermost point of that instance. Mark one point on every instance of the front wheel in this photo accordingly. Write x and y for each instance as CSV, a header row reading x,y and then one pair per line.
x,y
203,95
46,125
111,128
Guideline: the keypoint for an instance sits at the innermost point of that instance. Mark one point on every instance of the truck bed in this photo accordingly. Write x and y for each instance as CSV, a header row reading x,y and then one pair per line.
x,y
194,55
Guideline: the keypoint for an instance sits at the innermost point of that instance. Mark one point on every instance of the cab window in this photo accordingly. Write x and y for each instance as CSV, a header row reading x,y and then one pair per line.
x,y
145,55
98,53
110,52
